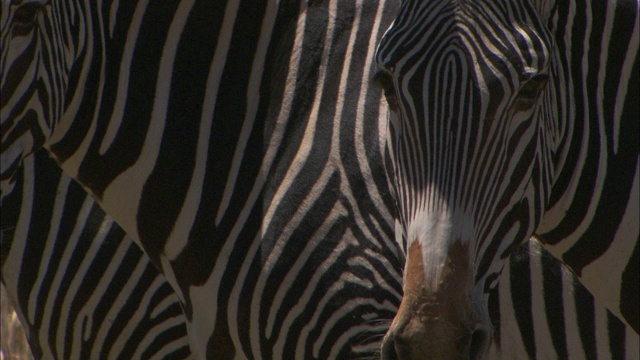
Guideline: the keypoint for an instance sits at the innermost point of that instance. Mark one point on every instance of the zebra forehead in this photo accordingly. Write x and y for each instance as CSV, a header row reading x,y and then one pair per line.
x,y
479,28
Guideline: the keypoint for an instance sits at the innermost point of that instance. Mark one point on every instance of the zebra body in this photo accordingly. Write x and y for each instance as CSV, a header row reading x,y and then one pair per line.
x,y
509,118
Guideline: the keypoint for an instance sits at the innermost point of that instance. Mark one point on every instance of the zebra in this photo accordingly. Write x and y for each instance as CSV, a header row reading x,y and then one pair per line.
x,y
358,162
573,326
194,119
83,289
390,306
509,118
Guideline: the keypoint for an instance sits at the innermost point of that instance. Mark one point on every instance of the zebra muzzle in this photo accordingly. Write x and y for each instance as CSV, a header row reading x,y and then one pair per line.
x,y
440,322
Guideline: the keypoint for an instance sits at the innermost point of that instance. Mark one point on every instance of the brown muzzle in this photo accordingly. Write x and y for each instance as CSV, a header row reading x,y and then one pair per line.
x,y
437,323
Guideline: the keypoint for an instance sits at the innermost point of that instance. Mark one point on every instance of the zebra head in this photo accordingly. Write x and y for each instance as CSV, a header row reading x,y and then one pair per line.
x,y
36,42
466,82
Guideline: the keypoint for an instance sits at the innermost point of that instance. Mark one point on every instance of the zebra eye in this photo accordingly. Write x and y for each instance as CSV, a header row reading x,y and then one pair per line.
x,y
383,79
26,15
530,91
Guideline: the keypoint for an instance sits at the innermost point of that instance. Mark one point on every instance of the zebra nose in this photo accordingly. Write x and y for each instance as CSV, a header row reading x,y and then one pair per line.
x,y
399,346
403,346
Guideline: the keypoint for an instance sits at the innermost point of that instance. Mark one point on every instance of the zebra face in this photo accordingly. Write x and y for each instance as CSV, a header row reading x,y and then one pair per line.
x,y
35,65
465,83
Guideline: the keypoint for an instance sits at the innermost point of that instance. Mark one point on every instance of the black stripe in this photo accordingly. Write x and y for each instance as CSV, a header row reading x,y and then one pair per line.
x,y
521,296
617,336
554,302
585,314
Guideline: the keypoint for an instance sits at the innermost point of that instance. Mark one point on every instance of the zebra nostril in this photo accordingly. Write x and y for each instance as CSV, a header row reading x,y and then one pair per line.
x,y
478,343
